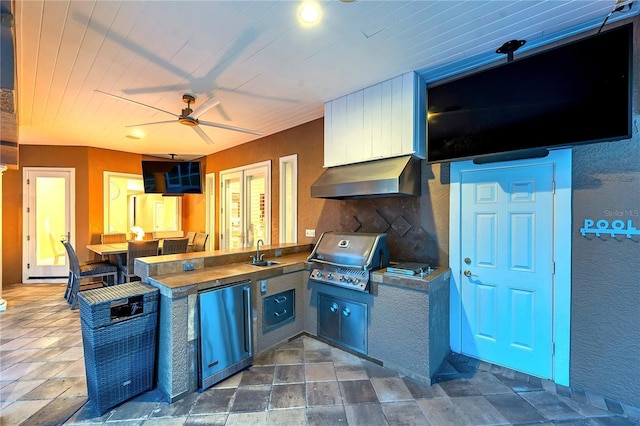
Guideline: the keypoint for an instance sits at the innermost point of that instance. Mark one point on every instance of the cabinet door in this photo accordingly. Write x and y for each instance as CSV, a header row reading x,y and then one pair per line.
x,y
384,120
353,325
328,318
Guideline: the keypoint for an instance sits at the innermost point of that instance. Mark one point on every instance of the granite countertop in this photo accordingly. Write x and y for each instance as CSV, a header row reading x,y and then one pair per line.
x,y
215,276
212,276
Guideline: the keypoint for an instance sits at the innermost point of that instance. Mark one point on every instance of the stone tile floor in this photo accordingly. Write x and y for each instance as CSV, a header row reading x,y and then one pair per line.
x,y
303,382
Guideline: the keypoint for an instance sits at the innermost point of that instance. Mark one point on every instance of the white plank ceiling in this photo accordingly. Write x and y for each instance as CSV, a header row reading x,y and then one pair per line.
x,y
268,71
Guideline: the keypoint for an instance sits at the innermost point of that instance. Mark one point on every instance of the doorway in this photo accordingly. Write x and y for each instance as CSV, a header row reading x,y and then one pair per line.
x,y
511,263
245,206
48,218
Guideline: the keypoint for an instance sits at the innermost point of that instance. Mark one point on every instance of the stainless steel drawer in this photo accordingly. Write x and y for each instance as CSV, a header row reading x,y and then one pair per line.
x,y
278,308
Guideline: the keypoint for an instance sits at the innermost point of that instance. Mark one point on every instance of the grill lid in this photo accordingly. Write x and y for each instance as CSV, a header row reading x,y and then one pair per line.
x,y
352,250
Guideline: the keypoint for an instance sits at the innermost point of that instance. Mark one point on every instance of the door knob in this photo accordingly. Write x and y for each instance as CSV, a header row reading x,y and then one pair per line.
x,y
468,273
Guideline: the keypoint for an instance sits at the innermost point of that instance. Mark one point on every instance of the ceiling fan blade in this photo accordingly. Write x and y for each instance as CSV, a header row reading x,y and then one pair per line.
x,y
135,102
202,134
205,107
154,122
225,126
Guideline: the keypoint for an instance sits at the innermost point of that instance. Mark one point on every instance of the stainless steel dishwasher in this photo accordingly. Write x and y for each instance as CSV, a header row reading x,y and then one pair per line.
x,y
225,342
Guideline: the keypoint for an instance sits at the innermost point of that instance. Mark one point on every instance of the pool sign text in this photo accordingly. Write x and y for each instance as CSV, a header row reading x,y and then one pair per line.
x,y
602,226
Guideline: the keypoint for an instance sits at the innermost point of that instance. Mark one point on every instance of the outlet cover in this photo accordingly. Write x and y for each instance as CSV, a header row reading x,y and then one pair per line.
x,y
263,286
310,233
189,266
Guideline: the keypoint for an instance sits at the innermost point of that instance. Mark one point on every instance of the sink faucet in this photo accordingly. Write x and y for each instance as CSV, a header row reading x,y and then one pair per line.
x,y
259,257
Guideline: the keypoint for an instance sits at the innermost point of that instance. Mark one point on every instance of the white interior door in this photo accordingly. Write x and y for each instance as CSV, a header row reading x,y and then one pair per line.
x,y
48,217
507,267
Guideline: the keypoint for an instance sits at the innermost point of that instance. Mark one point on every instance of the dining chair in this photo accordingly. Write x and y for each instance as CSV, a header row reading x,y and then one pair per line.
x,y
200,241
175,245
113,238
136,249
82,271
191,235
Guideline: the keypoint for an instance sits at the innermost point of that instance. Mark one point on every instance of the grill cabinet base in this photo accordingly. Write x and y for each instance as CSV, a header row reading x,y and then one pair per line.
x,y
343,322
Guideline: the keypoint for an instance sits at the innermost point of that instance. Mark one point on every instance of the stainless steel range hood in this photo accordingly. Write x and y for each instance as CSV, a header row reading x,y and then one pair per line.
x,y
388,177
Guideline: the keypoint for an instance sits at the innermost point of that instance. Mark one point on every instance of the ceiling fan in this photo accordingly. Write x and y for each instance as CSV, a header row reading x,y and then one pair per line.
x,y
188,116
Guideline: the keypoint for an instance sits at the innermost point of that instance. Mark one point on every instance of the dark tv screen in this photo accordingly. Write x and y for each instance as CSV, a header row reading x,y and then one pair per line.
x,y
172,177
576,93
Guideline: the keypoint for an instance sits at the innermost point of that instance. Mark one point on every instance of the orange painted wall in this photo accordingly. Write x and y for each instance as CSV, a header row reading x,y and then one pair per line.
x,y
37,156
90,163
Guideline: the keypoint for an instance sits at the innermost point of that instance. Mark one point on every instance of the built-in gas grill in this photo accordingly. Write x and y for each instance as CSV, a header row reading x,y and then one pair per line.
x,y
346,259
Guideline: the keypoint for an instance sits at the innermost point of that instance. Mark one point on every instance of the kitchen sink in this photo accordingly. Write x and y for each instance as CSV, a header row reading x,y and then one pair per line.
x,y
265,263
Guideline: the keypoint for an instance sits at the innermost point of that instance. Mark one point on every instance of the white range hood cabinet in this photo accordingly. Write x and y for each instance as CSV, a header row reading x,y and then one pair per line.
x,y
382,121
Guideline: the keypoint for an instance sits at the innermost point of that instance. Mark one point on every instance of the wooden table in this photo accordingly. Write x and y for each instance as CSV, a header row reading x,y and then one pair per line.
x,y
107,249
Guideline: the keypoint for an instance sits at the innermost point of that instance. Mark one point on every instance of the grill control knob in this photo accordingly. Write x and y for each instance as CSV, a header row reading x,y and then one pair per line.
x,y
330,276
319,274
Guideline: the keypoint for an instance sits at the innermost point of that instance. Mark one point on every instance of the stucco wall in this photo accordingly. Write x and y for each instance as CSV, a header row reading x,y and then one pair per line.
x,y
605,301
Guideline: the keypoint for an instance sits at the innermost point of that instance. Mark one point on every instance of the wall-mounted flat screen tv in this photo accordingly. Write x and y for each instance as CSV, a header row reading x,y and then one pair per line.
x,y
576,93
172,177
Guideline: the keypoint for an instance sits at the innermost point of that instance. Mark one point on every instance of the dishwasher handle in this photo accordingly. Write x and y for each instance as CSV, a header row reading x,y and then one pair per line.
x,y
248,332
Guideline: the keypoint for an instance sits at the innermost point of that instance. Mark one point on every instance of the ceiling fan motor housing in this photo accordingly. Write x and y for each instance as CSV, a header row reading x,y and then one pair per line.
x,y
186,120
186,112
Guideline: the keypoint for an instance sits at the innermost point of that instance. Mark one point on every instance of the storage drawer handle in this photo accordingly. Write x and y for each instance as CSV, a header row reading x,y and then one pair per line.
x,y
280,299
281,313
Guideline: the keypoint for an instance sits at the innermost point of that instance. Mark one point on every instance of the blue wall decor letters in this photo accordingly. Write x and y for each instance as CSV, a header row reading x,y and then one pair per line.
x,y
602,226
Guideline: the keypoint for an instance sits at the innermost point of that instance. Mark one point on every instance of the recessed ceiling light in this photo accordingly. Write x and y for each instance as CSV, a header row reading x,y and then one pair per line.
x,y
136,134
309,13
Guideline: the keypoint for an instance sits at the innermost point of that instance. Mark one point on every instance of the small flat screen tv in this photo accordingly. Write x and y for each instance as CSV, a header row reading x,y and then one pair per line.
x,y
576,93
172,177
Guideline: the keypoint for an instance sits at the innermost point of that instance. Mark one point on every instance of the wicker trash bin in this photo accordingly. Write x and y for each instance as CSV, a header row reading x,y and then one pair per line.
x,y
119,339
